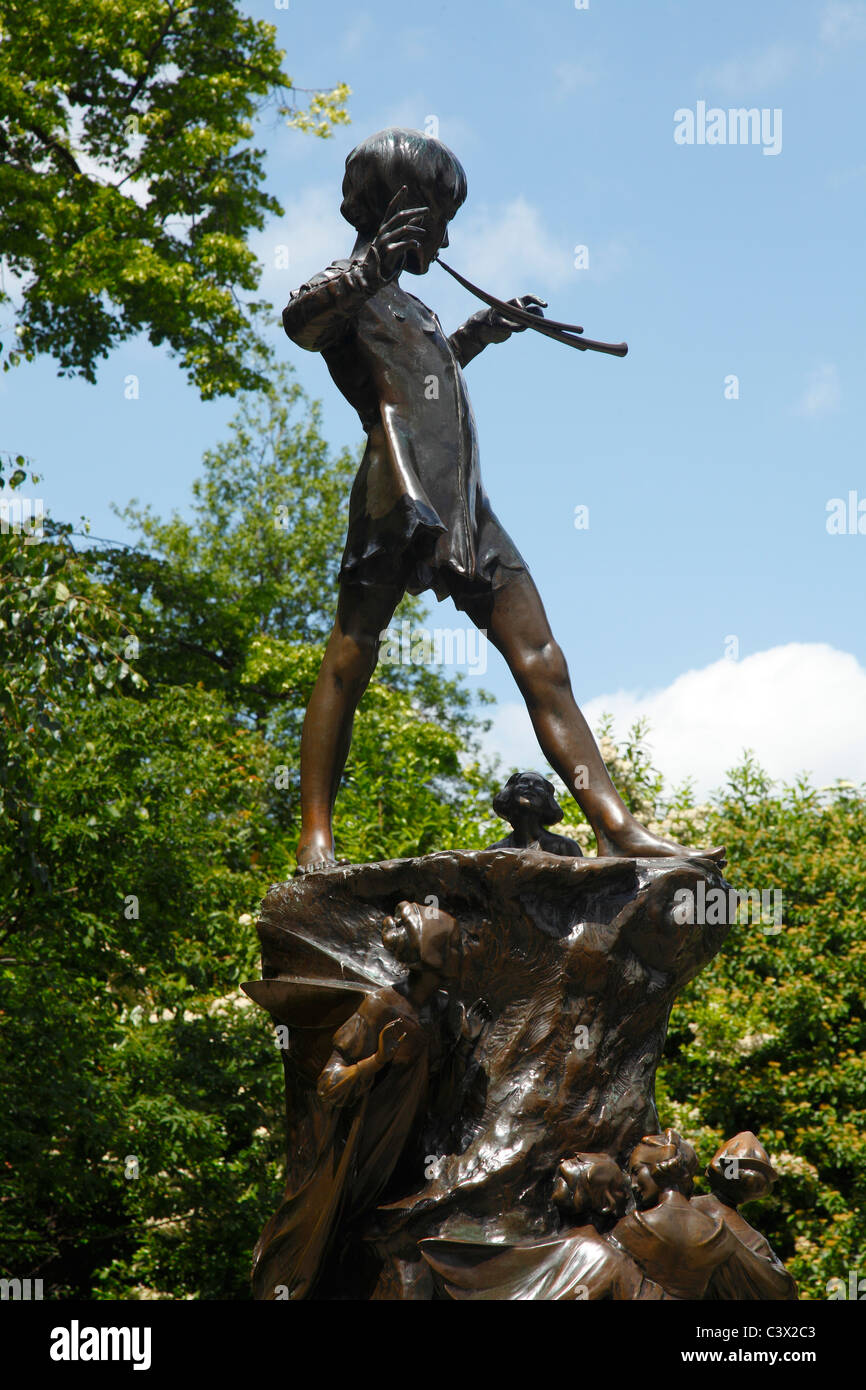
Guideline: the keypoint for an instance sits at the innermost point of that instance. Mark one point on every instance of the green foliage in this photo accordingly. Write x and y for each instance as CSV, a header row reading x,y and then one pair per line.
x,y
771,1036
62,641
325,110
151,716
241,599
149,721
670,812
148,830
128,181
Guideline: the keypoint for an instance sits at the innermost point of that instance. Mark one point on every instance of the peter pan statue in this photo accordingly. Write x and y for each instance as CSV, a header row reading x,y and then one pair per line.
x,y
419,516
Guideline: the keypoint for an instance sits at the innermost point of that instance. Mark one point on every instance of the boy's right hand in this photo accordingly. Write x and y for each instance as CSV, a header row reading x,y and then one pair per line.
x,y
399,231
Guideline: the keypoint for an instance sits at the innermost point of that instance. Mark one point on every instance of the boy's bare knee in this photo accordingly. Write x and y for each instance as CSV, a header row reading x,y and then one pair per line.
x,y
542,665
353,659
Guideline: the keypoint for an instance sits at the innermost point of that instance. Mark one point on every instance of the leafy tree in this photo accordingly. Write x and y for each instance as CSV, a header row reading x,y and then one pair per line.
x,y
146,1147
63,639
243,597
128,181
771,1037
149,722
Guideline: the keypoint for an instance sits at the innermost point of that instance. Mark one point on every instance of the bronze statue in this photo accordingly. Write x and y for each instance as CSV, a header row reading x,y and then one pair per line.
x,y
700,1247
528,803
419,516
580,1264
679,1246
570,333
472,1047
368,1094
471,1038
669,1246
740,1172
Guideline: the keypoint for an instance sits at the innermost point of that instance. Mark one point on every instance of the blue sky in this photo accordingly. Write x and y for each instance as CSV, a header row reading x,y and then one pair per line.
x,y
707,515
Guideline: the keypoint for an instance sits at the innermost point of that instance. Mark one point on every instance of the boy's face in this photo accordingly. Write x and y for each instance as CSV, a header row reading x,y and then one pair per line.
x,y
435,221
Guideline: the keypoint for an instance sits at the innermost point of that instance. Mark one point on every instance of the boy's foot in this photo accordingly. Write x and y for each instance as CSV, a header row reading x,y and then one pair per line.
x,y
634,841
315,852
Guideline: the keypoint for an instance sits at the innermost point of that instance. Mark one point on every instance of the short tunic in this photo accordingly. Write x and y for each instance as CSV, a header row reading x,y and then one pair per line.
x,y
419,516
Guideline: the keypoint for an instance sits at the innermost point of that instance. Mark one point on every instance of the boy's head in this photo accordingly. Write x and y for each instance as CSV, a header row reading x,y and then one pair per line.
x,y
390,160
741,1170
660,1161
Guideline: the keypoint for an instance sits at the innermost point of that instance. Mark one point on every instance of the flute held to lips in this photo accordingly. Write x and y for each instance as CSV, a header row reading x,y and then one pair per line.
x,y
562,332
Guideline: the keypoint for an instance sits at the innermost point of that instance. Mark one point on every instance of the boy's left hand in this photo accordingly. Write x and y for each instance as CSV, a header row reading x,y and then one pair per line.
x,y
499,328
530,303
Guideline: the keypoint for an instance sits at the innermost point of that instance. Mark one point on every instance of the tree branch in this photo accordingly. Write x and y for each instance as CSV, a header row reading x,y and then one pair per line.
x,y
50,143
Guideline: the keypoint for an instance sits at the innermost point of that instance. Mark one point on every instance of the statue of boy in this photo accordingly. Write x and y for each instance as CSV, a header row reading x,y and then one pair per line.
x,y
741,1171
677,1245
419,516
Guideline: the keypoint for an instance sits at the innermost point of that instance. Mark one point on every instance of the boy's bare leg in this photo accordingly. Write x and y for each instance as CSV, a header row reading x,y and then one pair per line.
x,y
517,626
363,612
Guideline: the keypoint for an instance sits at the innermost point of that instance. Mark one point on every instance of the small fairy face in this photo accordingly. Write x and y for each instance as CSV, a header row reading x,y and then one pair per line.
x,y
423,938
659,1163
395,937
752,1185
593,1183
527,792
643,1184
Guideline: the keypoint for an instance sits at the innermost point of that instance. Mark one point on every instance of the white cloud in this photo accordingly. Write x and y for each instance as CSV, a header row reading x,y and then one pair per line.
x,y
752,74
843,21
799,707
355,35
314,234
508,250
570,77
822,394
415,45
